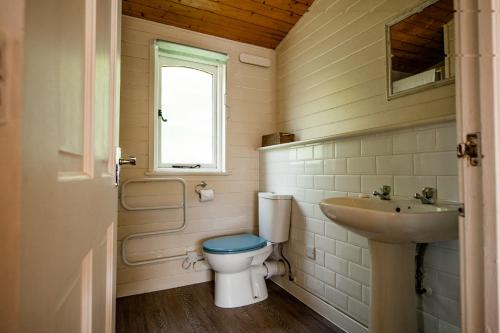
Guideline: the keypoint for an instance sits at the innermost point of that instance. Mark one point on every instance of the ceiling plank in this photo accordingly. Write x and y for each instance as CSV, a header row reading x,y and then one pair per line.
x,y
296,7
259,22
235,13
189,23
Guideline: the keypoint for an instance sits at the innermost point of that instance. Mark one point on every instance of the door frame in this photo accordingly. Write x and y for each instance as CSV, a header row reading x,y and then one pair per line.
x,y
478,110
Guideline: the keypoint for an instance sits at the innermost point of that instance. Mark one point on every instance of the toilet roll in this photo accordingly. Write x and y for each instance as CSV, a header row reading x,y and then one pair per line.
x,y
207,195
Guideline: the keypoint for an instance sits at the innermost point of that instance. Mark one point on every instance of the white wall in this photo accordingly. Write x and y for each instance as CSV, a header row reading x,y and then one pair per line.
x,y
332,73
407,160
251,97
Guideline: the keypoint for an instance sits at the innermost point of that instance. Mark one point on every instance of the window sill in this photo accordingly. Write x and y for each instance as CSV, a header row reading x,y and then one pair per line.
x,y
187,172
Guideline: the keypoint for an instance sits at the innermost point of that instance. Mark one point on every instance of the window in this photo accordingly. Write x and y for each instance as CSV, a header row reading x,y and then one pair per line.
x,y
189,109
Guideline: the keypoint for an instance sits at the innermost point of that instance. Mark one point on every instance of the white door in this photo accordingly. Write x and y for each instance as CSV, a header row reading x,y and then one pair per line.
x,y
478,111
69,198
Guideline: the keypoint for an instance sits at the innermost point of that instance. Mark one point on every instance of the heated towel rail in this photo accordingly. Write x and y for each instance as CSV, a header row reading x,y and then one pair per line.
x,y
182,205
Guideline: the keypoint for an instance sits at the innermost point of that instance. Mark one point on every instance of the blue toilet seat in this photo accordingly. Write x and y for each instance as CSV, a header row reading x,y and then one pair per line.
x,y
234,244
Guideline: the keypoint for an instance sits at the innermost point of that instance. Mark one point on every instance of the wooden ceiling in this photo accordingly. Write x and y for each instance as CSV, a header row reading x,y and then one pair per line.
x,y
258,22
417,41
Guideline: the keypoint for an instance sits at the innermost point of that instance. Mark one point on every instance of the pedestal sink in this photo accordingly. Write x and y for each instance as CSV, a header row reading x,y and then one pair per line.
x,y
392,228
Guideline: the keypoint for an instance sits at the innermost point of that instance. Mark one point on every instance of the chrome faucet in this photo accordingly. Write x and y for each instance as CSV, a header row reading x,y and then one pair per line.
x,y
428,196
384,194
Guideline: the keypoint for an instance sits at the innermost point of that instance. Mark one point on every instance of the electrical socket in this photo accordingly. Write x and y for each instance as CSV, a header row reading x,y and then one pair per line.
x,y
311,252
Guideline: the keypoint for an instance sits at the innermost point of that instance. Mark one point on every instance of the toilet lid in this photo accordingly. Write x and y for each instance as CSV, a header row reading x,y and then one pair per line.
x,y
234,244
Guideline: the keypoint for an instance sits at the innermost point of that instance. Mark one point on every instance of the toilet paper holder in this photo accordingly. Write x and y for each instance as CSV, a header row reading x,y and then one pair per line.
x,y
200,187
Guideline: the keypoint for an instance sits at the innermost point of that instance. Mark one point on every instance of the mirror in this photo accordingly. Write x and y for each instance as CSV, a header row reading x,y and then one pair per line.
x,y
420,49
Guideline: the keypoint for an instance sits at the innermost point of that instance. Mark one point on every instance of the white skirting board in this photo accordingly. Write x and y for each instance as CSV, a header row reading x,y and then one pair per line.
x,y
321,307
147,286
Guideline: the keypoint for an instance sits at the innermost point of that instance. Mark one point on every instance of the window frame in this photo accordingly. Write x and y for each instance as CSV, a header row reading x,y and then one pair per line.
x,y
220,112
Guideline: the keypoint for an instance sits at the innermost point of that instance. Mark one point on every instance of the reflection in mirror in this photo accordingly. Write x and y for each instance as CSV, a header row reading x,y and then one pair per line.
x,y
420,48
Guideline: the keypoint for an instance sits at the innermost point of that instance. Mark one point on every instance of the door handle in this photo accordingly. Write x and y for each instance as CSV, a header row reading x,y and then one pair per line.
x,y
132,160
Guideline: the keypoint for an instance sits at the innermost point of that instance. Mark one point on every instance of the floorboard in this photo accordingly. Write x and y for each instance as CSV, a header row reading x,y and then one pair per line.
x,y
191,309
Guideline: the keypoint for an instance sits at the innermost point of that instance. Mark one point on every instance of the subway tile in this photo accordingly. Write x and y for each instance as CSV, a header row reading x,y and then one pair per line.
x,y
426,140
394,165
313,196
442,259
366,295
348,148
335,231
358,310
348,286
365,258
427,323
335,166
324,151
305,153
376,145
319,257
314,285
436,164
319,214
371,183
348,252
324,182
336,264
445,327
305,265
448,285
444,308
325,244
292,154
297,168
348,183
336,297
303,236
357,240
361,166
305,181
314,167
409,185
359,274
325,275
405,143
305,209
335,194
447,187
315,225
446,138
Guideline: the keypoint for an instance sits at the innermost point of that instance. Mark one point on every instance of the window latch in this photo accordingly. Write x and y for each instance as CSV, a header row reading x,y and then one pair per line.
x,y
160,114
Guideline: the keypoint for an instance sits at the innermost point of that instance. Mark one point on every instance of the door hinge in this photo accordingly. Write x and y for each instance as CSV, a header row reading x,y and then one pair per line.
x,y
461,209
471,149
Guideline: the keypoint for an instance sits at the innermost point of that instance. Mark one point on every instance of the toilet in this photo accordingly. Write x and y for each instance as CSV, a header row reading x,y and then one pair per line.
x,y
239,261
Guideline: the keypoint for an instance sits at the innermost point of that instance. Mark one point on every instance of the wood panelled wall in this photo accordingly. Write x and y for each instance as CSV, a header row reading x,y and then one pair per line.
x,y
251,96
332,73
259,22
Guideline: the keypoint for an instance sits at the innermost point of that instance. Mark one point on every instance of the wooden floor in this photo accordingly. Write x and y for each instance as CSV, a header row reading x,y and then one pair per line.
x,y
191,309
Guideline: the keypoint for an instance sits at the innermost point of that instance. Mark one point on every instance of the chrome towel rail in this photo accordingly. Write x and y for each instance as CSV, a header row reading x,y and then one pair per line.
x,y
182,205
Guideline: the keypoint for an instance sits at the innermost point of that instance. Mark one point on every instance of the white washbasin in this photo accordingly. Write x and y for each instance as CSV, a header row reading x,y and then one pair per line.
x,y
394,221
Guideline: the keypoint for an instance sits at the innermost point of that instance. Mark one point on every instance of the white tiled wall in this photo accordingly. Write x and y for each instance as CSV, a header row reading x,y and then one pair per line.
x,y
407,160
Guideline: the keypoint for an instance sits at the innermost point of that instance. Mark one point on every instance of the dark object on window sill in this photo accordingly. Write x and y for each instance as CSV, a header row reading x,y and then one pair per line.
x,y
276,138
196,166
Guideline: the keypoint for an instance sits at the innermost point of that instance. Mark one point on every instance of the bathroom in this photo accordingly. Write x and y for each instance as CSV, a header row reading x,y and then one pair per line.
x,y
313,113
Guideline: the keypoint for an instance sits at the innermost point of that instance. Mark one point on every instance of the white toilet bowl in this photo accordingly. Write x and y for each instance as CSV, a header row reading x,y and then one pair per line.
x,y
239,273
239,261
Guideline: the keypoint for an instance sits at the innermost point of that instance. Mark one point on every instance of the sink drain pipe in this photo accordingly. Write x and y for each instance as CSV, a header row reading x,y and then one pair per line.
x,y
419,271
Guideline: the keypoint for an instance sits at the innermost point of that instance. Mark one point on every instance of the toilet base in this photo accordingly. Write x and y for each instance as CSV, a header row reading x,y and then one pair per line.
x,y
233,290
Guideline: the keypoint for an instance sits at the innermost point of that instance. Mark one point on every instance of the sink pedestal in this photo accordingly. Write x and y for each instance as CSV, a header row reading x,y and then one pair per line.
x,y
393,300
